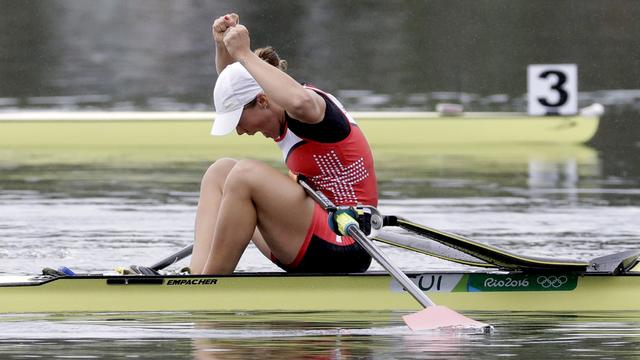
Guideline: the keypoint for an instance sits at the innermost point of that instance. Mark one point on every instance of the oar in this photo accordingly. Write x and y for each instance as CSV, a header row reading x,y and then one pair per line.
x,y
153,269
172,259
432,316
143,270
491,254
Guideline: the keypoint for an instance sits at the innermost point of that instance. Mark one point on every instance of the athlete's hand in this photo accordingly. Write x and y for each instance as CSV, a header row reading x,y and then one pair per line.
x,y
221,24
236,40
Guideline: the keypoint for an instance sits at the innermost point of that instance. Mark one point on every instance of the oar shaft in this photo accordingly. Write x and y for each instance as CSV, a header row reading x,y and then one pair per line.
x,y
432,316
171,259
316,195
383,260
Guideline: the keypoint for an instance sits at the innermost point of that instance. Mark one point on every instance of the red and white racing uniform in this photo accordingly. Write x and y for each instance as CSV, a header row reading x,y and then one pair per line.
x,y
333,155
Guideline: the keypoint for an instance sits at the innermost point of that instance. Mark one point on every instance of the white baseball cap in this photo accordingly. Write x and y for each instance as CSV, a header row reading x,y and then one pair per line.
x,y
234,89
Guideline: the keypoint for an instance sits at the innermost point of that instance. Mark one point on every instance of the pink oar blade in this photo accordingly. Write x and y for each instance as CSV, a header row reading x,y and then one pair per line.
x,y
441,317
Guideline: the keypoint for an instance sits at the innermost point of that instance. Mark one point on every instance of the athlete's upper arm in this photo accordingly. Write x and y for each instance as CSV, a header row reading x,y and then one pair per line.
x,y
333,127
309,109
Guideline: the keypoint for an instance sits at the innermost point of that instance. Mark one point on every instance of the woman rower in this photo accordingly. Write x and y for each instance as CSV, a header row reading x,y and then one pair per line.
x,y
246,200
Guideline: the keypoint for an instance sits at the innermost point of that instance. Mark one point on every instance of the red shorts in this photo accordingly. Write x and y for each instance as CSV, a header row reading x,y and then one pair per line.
x,y
323,251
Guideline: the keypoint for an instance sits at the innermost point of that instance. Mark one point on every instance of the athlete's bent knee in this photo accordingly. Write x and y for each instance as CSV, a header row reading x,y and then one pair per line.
x,y
218,172
244,175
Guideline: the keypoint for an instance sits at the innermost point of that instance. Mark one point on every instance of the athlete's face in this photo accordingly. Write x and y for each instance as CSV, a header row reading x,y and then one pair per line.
x,y
263,117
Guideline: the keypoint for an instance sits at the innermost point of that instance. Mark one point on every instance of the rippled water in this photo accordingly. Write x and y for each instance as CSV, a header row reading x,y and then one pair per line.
x,y
315,335
95,216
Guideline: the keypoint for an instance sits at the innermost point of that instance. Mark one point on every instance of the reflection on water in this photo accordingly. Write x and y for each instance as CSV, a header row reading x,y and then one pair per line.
x,y
543,174
317,335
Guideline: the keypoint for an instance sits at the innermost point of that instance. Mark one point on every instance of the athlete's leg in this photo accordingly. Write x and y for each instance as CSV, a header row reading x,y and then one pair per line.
x,y
207,213
258,195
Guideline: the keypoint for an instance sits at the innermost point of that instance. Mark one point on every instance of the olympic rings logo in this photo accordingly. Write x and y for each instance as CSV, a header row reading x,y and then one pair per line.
x,y
552,281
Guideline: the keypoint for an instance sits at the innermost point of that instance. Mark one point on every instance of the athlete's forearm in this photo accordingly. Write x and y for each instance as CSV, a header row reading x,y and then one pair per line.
x,y
222,57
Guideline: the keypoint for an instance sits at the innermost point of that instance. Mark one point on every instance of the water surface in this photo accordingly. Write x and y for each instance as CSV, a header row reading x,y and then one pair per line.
x,y
316,335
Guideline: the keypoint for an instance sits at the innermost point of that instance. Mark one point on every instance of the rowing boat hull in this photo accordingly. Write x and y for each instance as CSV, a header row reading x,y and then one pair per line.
x,y
192,128
478,291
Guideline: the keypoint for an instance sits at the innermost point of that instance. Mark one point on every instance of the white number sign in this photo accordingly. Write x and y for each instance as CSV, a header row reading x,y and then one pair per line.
x,y
552,89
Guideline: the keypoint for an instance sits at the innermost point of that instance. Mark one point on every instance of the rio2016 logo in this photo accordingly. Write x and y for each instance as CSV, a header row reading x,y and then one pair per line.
x,y
508,282
551,281
522,282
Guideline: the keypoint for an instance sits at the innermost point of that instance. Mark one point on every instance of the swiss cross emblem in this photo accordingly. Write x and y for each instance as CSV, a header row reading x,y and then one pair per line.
x,y
339,179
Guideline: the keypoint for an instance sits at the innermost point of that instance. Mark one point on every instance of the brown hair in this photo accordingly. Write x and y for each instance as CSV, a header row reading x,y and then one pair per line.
x,y
269,54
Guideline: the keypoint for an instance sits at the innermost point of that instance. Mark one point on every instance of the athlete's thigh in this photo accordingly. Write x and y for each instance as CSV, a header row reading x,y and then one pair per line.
x,y
284,211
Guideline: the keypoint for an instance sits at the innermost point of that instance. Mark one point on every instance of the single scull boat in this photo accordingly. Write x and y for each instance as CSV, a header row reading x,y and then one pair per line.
x,y
502,281
571,291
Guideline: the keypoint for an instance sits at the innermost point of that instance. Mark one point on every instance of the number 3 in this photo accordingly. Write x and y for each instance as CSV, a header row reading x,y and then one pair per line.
x,y
561,80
